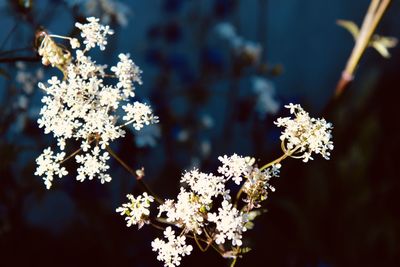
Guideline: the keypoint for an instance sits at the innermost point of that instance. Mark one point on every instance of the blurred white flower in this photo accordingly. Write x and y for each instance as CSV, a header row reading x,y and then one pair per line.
x,y
207,121
265,93
147,136
227,32
28,80
107,10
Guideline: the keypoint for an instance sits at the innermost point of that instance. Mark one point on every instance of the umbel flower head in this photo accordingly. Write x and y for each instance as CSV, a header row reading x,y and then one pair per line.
x,y
137,211
303,135
204,204
83,107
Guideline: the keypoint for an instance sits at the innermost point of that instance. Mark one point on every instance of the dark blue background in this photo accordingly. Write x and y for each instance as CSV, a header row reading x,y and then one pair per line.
x,y
342,212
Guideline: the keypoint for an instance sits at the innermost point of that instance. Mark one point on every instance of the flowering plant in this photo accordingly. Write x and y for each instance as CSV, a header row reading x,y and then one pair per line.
x,y
83,107
204,209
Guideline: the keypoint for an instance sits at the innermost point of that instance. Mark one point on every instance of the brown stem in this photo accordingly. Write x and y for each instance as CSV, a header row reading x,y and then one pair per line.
x,y
199,245
157,226
70,156
342,85
144,186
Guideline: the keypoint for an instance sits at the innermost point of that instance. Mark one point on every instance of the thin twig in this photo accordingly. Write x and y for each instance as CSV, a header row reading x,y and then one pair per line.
x,y
131,171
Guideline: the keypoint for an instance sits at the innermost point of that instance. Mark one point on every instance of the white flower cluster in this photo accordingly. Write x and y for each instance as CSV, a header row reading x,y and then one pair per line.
x,y
107,10
82,107
204,209
93,164
227,32
186,212
197,207
229,222
127,73
257,184
264,90
171,252
235,167
94,33
305,135
192,211
137,211
27,79
49,165
205,185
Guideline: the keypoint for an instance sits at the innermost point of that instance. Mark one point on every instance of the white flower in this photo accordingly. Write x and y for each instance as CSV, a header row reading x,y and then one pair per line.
x,y
74,43
82,107
185,212
235,167
28,80
108,10
147,136
127,73
93,165
265,93
94,33
205,185
139,114
172,250
229,224
257,184
305,135
225,30
49,166
137,210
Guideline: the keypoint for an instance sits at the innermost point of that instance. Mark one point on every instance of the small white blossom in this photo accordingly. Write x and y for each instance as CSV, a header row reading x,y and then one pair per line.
x,y
93,165
227,32
74,43
137,210
94,33
127,73
229,224
265,93
107,10
172,250
148,136
26,79
235,167
139,114
49,166
205,185
186,212
304,134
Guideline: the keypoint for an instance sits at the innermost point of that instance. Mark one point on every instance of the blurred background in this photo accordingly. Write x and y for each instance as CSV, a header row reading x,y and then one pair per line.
x,y
217,73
